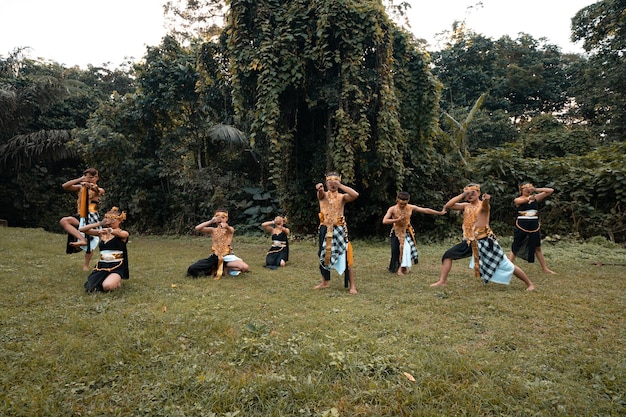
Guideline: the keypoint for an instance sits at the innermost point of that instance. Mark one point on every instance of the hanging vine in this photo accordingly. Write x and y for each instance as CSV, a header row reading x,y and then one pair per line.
x,y
313,83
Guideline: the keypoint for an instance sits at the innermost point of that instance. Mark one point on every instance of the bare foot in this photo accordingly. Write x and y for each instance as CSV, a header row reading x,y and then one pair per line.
x,y
531,287
353,290
323,284
400,272
439,284
79,243
549,271
85,267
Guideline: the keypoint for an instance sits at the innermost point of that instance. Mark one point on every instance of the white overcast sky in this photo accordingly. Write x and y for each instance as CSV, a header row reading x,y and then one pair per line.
x,y
81,32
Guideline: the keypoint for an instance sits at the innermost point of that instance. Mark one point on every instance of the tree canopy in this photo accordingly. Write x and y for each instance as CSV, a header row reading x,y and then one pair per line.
x,y
249,116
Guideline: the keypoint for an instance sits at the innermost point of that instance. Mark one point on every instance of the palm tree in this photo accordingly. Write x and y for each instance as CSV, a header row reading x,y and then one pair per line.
x,y
27,90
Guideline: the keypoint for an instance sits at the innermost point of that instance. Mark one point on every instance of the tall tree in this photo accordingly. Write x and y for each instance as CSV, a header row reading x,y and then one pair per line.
x,y
40,104
600,83
314,86
523,76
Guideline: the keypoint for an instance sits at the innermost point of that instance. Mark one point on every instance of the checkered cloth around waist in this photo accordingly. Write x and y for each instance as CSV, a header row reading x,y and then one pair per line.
x,y
338,247
489,253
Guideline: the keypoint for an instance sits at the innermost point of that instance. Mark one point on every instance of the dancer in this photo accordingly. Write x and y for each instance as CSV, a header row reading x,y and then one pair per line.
x,y
527,234
402,237
488,259
278,254
88,201
222,260
112,267
335,249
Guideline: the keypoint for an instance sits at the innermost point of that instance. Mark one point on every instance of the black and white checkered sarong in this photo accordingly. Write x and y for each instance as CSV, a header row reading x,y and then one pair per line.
x,y
414,254
490,255
338,248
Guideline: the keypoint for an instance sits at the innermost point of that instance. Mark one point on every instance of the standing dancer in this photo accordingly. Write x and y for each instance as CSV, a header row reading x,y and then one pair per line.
x,y
527,232
488,259
402,237
88,201
335,249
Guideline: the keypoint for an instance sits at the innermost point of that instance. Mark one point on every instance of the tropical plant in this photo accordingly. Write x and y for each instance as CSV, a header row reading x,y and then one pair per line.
x,y
40,103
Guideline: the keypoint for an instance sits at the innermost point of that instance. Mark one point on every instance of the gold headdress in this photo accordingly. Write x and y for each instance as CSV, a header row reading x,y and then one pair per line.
x,y
222,213
472,187
115,214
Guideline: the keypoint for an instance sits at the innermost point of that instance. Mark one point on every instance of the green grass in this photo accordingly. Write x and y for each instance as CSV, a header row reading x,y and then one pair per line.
x,y
267,344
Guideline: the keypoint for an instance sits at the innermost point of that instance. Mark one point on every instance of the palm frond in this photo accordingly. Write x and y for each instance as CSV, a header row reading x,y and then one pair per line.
x,y
228,134
44,146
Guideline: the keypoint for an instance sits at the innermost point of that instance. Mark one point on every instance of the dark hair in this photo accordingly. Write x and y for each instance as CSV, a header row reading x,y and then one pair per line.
x,y
90,171
403,195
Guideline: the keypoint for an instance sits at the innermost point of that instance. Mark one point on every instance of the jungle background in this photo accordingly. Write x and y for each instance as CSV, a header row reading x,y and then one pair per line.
x,y
245,104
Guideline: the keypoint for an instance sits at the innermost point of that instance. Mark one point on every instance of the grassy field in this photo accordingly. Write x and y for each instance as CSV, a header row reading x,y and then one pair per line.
x,y
266,344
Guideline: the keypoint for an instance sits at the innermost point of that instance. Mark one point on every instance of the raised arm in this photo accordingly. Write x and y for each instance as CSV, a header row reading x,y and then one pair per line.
x,y
455,202
485,205
543,193
426,210
319,187
74,185
350,194
208,226
388,218
268,226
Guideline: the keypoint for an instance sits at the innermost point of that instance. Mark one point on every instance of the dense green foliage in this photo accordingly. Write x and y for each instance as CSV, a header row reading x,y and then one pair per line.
x,y
250,116
600,82
315,83
40,103
523,78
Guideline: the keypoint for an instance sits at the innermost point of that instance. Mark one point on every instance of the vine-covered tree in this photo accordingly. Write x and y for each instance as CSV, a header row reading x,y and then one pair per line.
x,y
313,83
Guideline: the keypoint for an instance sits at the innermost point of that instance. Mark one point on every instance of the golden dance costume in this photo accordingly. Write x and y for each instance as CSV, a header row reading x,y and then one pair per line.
x,y
402,241
221,255
488,259
335,249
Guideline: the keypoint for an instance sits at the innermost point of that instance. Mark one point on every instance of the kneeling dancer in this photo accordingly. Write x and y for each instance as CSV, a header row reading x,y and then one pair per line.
x,y
222,259
113,264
